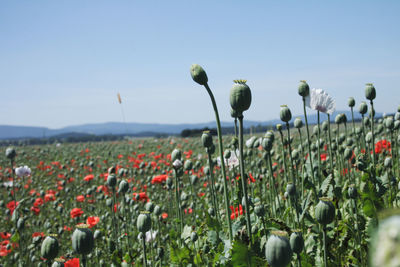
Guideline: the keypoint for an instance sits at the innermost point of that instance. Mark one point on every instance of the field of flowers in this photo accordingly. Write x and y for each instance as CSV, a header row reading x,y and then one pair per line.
x,y
323,195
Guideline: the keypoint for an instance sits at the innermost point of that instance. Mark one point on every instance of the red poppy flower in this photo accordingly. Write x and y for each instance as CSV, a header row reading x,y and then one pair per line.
x,y
49,197
66,228
5,235
35,234
3,248
92,221
235,212
164,215
36,210
80,198
323,156
88,177
72,263
38,202
382,145
11,206
142,196
76,212
159,179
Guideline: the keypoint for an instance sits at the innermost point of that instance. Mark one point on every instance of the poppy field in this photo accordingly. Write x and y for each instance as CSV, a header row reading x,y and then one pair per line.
x,y
297,195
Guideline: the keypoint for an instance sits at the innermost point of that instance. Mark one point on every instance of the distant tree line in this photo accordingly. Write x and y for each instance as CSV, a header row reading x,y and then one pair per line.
x,y
225,130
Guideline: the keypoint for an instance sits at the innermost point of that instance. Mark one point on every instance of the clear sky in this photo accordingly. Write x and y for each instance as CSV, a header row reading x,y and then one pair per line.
x,y
63,62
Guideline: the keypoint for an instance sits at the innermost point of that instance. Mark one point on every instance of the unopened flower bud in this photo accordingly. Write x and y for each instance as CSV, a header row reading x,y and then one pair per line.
x,y
198,74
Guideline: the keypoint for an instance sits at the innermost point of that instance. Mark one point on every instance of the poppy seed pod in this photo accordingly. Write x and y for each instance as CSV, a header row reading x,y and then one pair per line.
x,y
385,242
304,89
324,126
194,179
49,249
198,74
267,144
143,222
388,162
285,113
363,108
157,210
348,153
206,138
352,191
123,187
111,180
298,123
396,125
227,154
389,123
279,127
296,241
240,96
368,137
176,154
277,250
259,210
234,114
188,165
10,153
211,149
370,92
351,102
291,189
324,211
82,239
149,206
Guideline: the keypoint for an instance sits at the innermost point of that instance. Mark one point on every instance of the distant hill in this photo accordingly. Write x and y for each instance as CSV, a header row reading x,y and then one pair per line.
x,y
139,129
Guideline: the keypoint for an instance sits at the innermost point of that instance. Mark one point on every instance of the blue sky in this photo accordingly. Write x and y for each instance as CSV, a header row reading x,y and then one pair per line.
x,y
63,62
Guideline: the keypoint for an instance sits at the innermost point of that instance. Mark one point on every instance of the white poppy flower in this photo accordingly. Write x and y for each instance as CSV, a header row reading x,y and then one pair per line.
x,y
232,162
23,171
319,100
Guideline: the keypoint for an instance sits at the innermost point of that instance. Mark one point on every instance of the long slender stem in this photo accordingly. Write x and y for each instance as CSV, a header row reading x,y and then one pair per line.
x,y
324,240
373,134
144,251
222,161
319,151
309,145
243,178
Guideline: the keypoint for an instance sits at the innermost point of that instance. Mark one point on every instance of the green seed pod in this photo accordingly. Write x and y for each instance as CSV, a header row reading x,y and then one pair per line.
x,y
206,138
198,74
279,127
157,210
21,223
49,249
82,240
291,189
304,89
389,123
123,187
250,142
176,154
194,179
267,144
351,102
352,191
285,113
234,114
324,211
298,123
211,149
370,92
259,210
385,243
368,137
240,96
388,162
296,241
111,180
324,126
367,121
194,237
10,153
149,207
363,108
143,222
396,125
188,165
348,152
277,250
227,154
97,234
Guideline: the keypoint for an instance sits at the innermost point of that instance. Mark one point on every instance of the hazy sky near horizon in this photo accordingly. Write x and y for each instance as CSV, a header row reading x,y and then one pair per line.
x,y
63,62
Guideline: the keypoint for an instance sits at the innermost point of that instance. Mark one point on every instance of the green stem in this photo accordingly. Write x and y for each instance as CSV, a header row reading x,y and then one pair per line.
x,y
222,162
243,178
324,240
144,251
309,146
